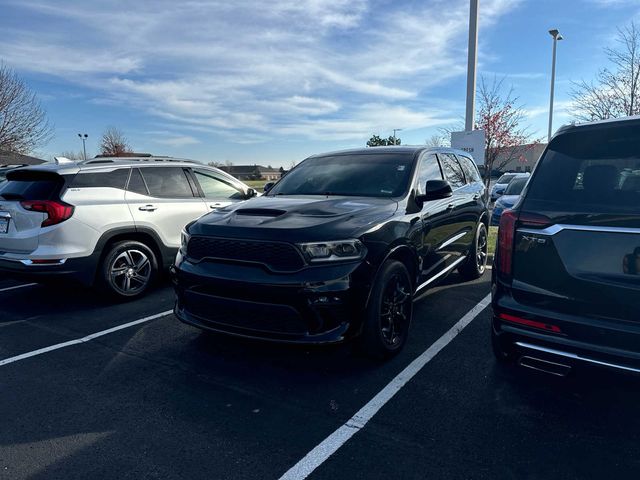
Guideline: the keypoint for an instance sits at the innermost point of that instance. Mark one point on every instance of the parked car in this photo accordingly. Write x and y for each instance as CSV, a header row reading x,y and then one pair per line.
x,y
566,284
113,223
508,199
502,183
337,249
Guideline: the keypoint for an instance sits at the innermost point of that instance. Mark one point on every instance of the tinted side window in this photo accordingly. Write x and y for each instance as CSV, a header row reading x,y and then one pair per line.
x,y
452,170
470,169
115,179
168,182
429,170
136,183
213,187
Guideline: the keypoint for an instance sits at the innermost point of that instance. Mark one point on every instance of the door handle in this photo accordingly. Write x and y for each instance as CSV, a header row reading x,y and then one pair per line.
x,y
215,205
451,206
148,208
476,196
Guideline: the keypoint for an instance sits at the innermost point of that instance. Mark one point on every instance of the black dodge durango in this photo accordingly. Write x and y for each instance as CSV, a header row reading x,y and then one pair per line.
x,y
336,249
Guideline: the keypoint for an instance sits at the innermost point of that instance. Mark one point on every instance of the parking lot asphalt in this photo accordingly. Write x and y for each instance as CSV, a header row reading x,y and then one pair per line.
x,y
162,400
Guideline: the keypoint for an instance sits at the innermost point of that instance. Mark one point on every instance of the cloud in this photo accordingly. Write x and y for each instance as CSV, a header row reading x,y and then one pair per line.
x,y
179,141
245,70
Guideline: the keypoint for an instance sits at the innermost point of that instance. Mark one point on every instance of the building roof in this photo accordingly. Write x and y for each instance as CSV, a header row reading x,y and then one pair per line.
x,y
14,158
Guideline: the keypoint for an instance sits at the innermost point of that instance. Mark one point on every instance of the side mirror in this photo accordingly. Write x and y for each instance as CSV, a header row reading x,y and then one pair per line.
x,y
251,193
268,186
435,190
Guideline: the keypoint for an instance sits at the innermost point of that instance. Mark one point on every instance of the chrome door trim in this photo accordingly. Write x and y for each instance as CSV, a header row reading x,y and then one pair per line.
x,y
451,240
441,273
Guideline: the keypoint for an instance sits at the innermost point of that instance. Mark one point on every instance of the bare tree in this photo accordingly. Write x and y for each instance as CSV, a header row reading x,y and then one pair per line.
x,y
616,90
75,156
501,118
23,121
114,143
215,164
438,139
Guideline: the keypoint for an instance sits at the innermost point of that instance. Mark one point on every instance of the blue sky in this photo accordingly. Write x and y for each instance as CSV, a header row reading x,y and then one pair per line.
x,y
272,82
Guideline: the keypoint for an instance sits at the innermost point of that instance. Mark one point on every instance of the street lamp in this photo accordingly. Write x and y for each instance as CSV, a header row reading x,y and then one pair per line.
x,y
556,36
394,135
472,64
83,137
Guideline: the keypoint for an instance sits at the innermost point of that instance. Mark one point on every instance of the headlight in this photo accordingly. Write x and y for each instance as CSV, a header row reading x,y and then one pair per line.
x,y
184,240
333,251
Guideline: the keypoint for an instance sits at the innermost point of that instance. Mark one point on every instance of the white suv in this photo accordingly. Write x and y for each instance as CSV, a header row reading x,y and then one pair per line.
x,y
110,222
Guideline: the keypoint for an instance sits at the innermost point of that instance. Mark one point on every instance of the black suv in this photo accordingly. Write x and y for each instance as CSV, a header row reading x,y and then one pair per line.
x,y
566,286
336,249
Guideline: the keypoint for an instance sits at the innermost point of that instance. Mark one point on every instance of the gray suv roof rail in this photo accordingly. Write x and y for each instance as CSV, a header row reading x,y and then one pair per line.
x,y
94,161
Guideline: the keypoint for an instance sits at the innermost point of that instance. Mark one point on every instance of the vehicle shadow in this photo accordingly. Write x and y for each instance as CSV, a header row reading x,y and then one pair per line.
x,y
51,299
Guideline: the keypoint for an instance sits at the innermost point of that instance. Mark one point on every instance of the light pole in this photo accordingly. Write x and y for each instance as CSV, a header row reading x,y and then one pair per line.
x,y
472,63
83,137
394,135
556,36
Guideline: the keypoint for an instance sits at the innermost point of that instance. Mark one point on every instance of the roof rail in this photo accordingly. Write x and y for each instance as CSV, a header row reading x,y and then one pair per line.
x,y
134,159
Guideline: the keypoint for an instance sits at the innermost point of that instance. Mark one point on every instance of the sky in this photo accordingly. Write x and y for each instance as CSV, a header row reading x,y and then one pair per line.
x,y
272,82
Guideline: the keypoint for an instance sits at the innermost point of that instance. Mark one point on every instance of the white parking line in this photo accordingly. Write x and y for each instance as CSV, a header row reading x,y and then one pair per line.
x,y
333,442
17,286
88,338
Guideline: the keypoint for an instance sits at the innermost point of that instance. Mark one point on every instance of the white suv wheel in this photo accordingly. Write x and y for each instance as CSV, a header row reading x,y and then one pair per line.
x,y
128,269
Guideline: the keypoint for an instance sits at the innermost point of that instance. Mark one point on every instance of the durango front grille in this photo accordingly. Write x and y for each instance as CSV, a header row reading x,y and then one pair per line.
x,y
277,256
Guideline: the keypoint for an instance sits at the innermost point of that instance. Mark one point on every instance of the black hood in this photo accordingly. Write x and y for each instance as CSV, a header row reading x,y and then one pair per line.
x,y
304,218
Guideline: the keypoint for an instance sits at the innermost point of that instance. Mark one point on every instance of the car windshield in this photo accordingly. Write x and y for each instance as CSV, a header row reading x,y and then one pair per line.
x,y
590,169
364,175
506,178
516,185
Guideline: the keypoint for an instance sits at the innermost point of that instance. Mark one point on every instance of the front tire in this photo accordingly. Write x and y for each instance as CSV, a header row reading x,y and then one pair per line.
x,y
128,270
388,315
476,263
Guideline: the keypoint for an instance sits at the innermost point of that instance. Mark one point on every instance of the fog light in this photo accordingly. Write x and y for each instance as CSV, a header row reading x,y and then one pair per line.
x,y
325,300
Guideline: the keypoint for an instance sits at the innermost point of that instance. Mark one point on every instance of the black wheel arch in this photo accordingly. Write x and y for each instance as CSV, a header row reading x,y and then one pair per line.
x,y
164,254
404,253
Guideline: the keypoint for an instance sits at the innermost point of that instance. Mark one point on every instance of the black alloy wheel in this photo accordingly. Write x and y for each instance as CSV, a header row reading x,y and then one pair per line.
x,y
476,262
388,315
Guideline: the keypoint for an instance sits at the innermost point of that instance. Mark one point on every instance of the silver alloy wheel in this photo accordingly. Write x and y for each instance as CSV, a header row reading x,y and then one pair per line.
x,y
482,244
130,272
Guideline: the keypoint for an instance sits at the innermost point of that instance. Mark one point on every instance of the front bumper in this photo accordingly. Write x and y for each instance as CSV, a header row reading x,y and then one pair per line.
x,y
583,340
317,305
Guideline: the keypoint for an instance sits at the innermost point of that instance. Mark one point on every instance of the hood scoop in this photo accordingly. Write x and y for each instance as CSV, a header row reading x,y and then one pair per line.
x,y
260,212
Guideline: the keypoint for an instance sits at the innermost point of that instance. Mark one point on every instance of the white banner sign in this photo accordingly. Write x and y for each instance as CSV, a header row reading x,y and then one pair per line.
x,y
472,142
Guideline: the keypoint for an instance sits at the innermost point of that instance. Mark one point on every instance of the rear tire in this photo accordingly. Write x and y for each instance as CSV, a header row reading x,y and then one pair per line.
x,y
476,263
128,270
388,315
502,353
